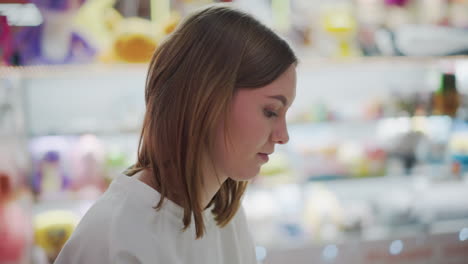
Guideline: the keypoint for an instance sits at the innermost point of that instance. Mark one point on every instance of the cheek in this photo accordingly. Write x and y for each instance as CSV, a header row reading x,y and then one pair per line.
x,y
236,153
247,132
248,129
247,139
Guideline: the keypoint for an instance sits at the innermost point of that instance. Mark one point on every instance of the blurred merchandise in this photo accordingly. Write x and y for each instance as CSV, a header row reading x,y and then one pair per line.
x,y
433,11
160,10
338,150
404,149
52,229
16,201
398,12
447,98
429,40
117,161
50,175
130,39
6,42
416,141
339,22
281,13
323,214
458,147
98,19
88,167
54,41
15,225
71,167
458,13
135,40
123,31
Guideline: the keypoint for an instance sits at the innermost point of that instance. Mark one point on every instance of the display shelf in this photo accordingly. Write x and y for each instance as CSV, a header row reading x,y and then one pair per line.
x,y
54,71
304,61
370,209
108,132
86,92
450,247
314,62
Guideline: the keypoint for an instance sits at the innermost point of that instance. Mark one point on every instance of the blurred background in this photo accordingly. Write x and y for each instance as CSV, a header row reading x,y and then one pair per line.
x,y
377,164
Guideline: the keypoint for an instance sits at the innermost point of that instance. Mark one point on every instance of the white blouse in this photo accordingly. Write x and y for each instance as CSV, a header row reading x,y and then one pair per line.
x,y
122,227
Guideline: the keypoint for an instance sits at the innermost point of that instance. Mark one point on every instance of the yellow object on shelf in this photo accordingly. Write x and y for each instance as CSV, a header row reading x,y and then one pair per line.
x,y
340,22
136,39
52,229
170,24
281,12
459,143
98,19
160,10
119,39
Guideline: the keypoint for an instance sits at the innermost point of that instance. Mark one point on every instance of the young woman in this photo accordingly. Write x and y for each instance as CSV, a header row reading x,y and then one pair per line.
x,y
216,97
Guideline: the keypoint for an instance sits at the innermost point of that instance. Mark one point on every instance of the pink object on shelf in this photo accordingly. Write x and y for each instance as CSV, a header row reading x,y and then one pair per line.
x,y
6,49
13,233
396,2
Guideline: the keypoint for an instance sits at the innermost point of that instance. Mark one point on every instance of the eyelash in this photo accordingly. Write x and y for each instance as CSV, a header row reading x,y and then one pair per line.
x,y
269,114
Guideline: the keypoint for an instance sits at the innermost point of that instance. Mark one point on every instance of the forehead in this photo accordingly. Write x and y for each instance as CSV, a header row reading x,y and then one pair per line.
x,y
284,85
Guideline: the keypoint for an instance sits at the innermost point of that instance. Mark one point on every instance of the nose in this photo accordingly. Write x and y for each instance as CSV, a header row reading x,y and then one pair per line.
x,y
280,135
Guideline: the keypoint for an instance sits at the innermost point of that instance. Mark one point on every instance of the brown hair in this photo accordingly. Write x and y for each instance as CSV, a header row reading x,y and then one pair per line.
x,y
192,78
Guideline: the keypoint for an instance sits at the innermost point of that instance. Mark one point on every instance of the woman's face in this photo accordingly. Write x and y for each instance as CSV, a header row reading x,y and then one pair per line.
x,y
255,124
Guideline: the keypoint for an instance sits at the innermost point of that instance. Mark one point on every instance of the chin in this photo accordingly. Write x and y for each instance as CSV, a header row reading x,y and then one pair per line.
x,y
245,175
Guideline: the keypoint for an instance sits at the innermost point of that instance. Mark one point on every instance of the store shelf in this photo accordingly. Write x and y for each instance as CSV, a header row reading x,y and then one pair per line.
x,y
386,208
309,61
54,71
108,133
449,247
304,61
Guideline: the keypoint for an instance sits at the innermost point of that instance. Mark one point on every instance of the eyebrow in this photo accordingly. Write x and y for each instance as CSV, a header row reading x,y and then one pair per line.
x,y
280,98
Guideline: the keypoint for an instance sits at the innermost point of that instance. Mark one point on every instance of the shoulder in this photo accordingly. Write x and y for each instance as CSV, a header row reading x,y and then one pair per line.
x,y
237,239
116,227
123,224
238,230
240,219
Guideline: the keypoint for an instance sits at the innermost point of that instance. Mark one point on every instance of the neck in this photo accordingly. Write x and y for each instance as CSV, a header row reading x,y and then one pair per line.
x,y
211,186
212,183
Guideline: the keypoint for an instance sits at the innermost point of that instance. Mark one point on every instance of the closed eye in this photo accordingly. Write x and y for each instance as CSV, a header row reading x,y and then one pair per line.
x,y
269,113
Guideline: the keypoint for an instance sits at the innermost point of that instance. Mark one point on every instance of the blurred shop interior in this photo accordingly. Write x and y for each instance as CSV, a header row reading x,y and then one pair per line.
x,y
376,170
